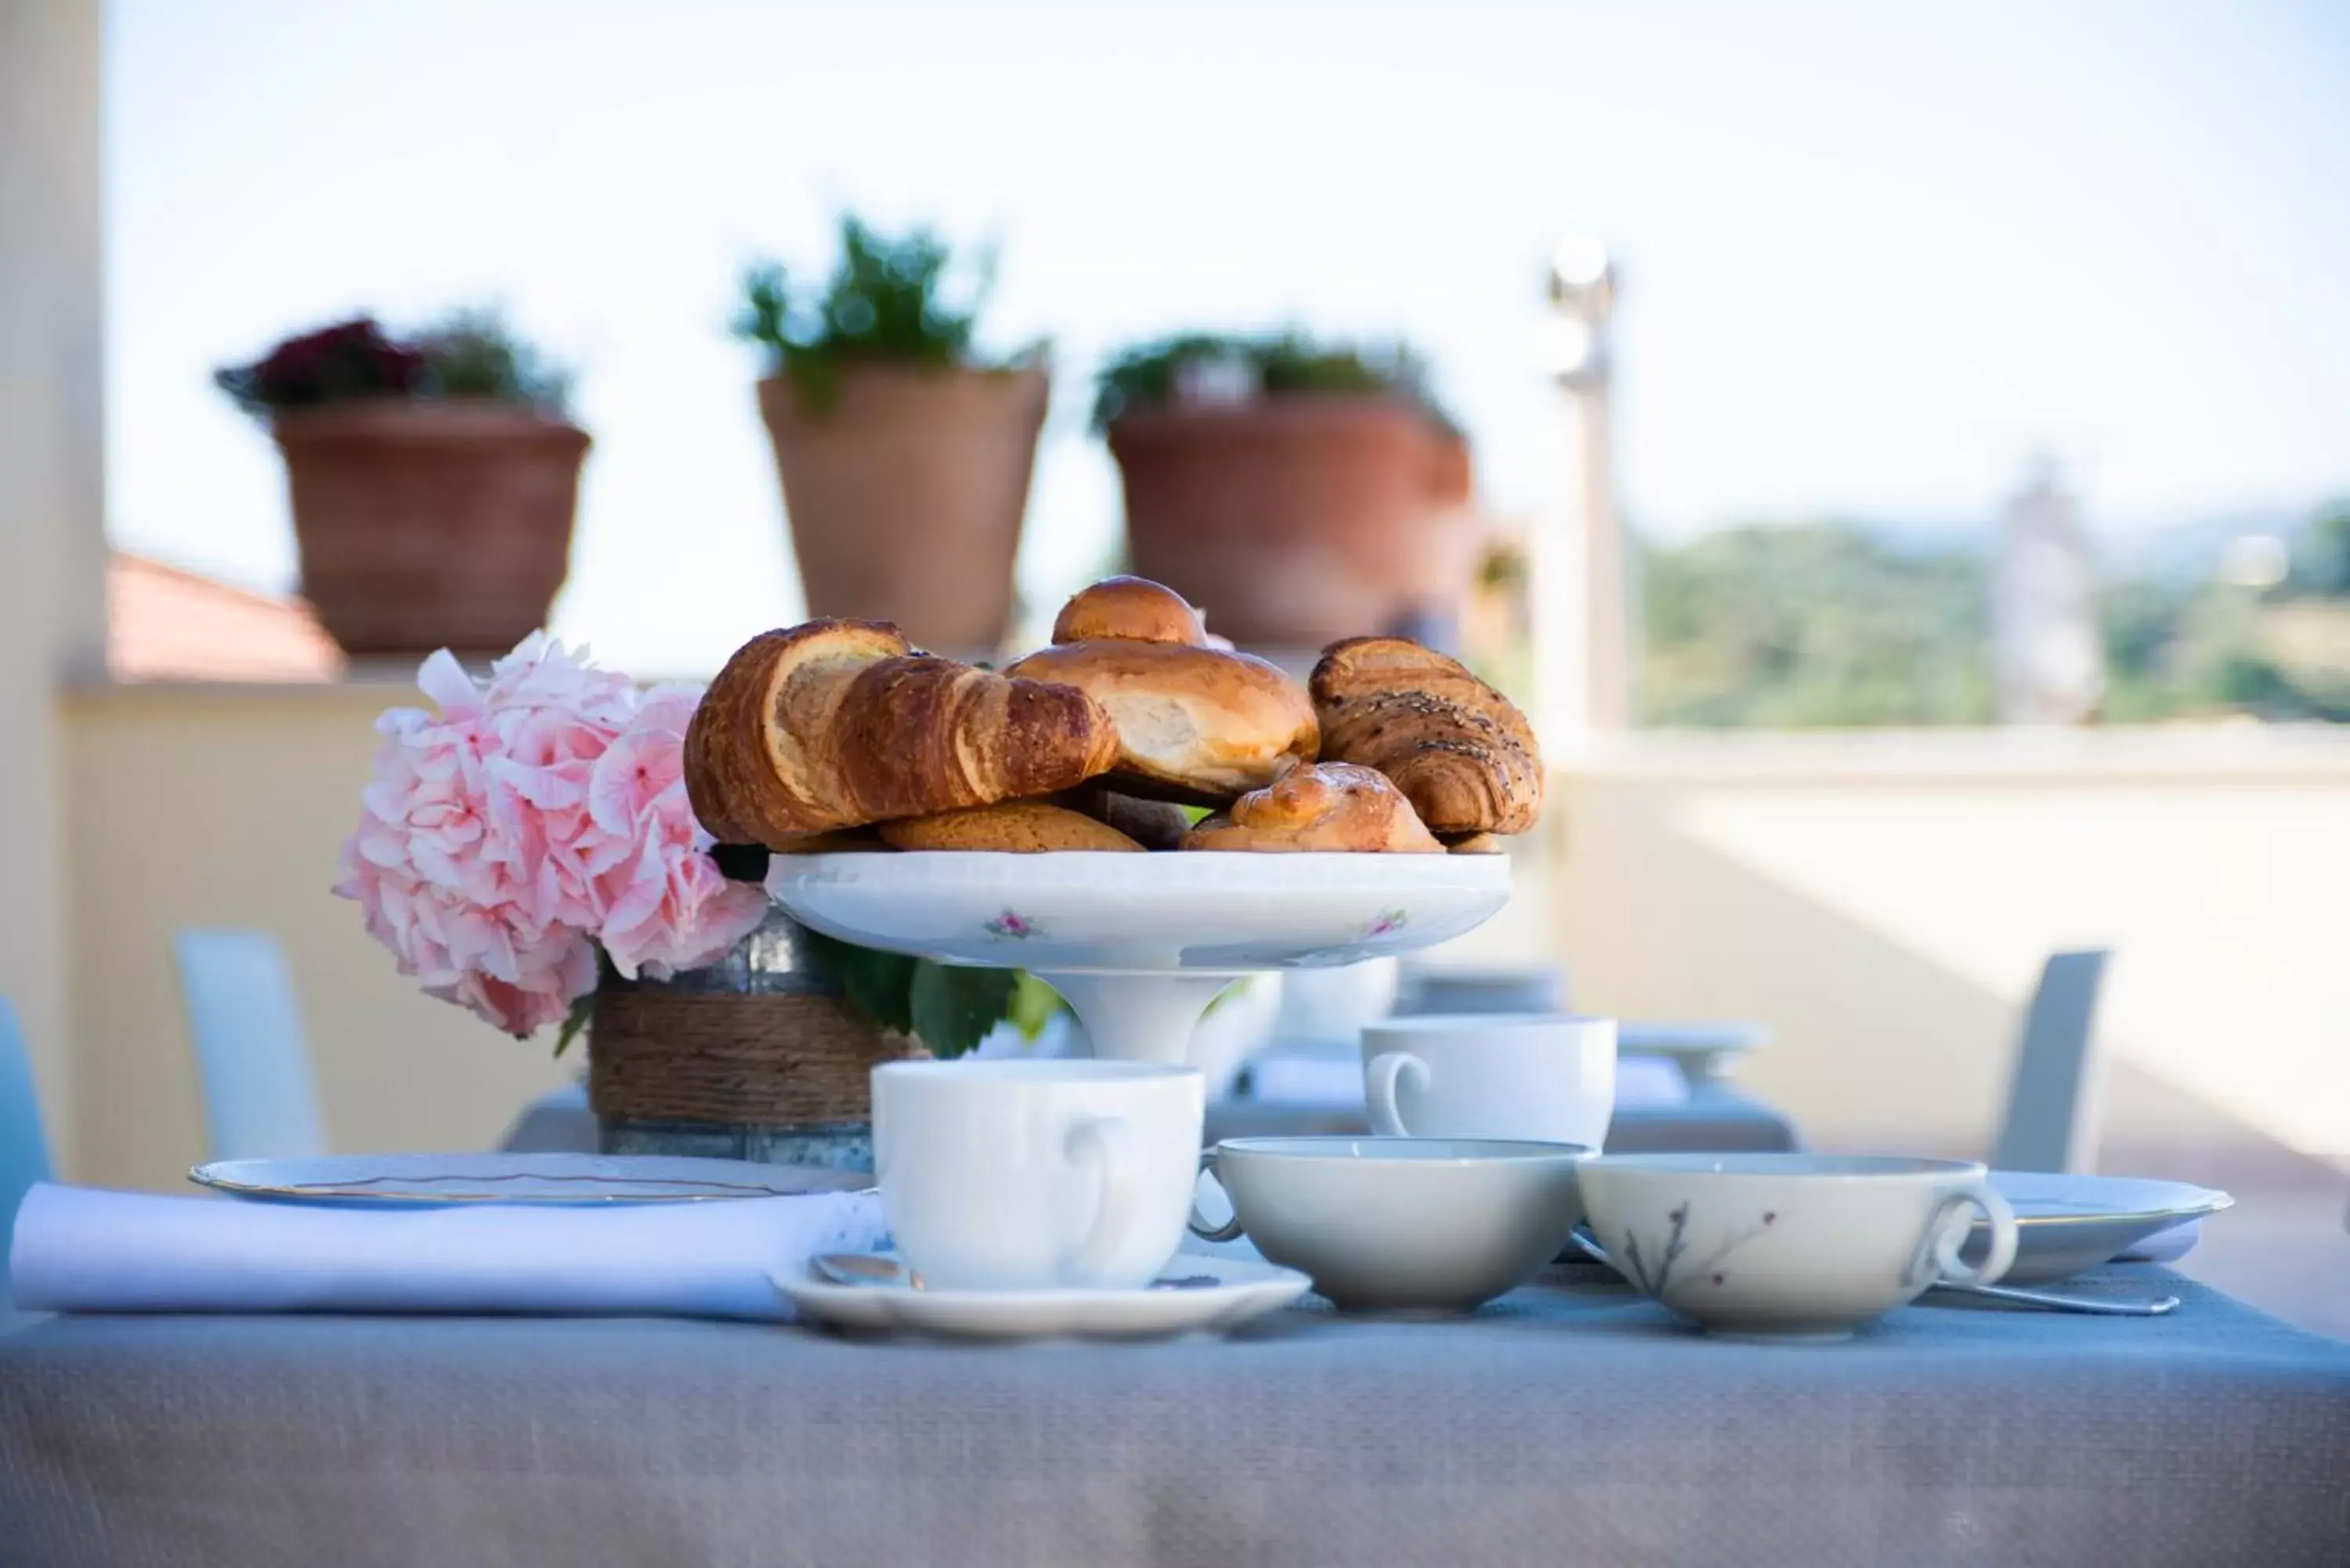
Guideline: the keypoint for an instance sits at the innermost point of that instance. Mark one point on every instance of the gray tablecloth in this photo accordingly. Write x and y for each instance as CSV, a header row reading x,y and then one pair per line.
x,y
1715,1119
1568,1422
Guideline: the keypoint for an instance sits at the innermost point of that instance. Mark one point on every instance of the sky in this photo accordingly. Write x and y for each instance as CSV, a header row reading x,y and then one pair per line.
x,y
1872,256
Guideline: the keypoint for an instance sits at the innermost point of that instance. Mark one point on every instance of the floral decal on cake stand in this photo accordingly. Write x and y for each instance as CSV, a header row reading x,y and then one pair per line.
x,y
1012,927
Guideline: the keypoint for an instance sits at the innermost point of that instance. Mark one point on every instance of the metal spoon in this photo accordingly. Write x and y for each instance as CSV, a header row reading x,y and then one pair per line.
x,y
2098,1306
866,1269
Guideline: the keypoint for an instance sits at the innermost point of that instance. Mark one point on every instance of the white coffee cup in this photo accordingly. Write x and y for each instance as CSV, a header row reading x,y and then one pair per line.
x,y
1547,1077
1036,1175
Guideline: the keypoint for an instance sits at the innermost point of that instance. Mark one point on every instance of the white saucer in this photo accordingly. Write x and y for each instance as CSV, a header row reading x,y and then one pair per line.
x,y
2067,1225
1235,1291
437,1181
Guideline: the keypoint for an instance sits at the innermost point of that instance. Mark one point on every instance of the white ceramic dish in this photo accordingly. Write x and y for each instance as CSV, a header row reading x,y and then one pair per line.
x,y
439,1180
1701,1051
1544,1076
2067,1225
1074,913
1206,1294
1448,988
1020,1176
1140,944
1790,1246
1419,1225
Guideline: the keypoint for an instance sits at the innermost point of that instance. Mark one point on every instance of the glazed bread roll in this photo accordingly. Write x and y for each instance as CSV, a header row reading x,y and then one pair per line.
x,y
1461,753
1132,609
1012,826
1325,806
1195,723
838,723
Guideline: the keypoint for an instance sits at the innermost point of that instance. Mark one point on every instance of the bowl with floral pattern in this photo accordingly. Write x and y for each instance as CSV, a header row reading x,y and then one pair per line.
x,y
1792,1246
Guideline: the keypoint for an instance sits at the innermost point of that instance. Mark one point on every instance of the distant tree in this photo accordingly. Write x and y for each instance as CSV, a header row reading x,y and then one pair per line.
x,y
2322,565
1811,625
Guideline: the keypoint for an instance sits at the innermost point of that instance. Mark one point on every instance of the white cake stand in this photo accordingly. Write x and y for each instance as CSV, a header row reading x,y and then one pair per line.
x,y
1140,944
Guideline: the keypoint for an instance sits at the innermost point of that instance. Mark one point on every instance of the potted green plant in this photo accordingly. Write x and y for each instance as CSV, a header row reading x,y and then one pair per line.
x,y
1298,491
433,479
905,452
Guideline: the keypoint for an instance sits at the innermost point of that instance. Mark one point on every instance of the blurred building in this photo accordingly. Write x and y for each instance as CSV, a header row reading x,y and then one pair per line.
x,y
164,623
2047,653
1581,590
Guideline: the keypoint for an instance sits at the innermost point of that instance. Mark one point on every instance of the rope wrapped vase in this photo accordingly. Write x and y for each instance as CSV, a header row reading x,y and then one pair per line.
x,y
753,1057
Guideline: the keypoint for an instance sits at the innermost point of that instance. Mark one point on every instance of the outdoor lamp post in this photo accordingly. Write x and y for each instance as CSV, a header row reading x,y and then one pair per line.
x,y
1582,620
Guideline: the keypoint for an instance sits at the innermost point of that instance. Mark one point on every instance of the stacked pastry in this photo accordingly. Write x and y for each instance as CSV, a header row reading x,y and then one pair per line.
x,y
837,734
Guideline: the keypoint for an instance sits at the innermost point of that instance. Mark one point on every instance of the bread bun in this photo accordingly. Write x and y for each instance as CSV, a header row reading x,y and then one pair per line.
x,y
1327,806
1195,723
838,723
1012,826
1477,843
1134,607
1461,753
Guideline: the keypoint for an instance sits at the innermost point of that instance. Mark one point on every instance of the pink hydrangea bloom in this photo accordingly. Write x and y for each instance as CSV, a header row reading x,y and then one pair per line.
x,y
504,835
665,907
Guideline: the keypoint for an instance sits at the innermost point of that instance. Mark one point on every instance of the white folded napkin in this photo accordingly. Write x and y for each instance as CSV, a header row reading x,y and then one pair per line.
x,y
80,1248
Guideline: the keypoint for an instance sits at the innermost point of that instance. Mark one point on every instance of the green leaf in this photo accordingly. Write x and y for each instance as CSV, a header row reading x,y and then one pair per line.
x,y
954,1007
1034,1005
879,984
1227,994
574,1022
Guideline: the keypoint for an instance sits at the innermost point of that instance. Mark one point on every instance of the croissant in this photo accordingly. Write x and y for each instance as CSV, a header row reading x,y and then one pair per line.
x,y
1323,807
838,723
1463,756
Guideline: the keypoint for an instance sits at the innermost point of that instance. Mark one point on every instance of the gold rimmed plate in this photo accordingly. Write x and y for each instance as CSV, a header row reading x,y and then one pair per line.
x,y
558,1180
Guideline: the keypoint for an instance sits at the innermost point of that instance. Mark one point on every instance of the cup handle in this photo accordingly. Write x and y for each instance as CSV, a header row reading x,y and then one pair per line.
x,y
1380,1088
1944,1238
1108,1145
1230,1231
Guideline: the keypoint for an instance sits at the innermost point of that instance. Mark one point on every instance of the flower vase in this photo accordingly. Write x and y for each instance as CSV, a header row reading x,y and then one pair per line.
x,y
753,1058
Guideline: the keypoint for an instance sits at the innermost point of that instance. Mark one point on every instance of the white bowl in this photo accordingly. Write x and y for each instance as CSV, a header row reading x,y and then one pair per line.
x,y
1790,1246
1429,1225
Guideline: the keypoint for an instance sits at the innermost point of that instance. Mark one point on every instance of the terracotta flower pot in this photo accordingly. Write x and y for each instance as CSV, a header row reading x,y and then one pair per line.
x,y
426,525
1296,521
906,496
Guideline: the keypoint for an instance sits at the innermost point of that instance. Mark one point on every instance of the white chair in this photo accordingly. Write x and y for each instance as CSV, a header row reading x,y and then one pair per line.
x,y
252,1061
24,1147
2053,1097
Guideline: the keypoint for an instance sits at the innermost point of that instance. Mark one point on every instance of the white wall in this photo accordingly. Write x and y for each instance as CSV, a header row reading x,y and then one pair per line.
x,y
1887,901
52,485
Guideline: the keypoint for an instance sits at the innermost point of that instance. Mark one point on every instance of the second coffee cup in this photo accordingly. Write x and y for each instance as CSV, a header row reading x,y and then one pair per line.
x,y
1036,1175
1545,1076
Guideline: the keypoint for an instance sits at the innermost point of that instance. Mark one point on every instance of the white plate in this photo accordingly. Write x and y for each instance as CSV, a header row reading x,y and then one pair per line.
x,y
1078,913
434,1180
2067,1225
1238,1290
